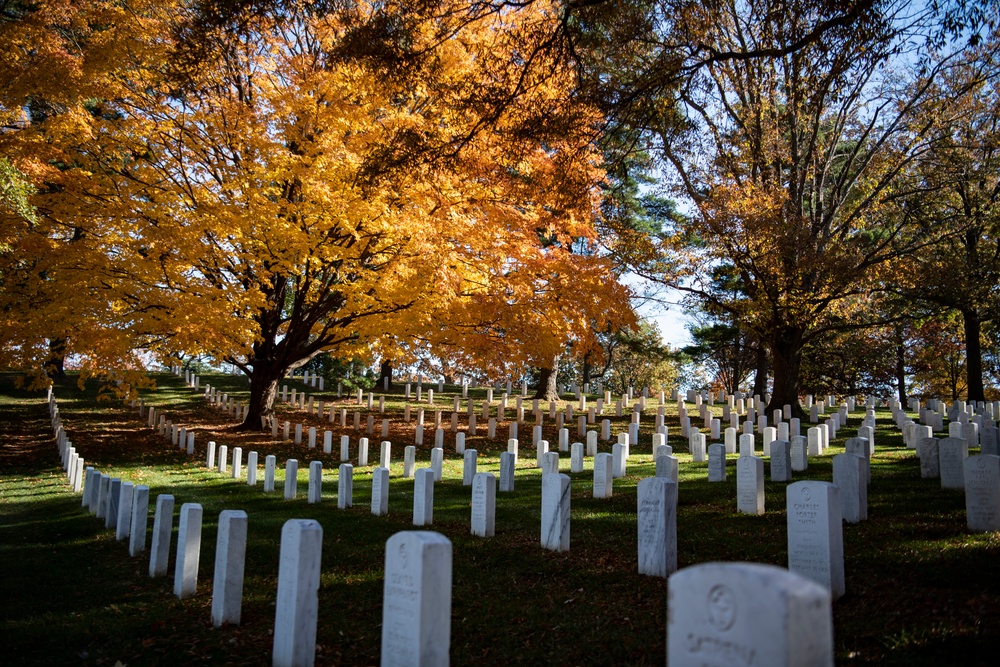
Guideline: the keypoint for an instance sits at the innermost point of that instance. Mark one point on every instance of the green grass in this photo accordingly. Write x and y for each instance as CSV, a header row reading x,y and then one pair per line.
x,y
920,589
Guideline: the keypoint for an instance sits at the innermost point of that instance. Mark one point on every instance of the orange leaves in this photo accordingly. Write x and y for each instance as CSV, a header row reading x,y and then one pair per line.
x,y
290,189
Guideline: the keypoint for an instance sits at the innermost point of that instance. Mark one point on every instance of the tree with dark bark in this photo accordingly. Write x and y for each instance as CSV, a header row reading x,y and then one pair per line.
x,y
962,173
313,177
548,381
795,165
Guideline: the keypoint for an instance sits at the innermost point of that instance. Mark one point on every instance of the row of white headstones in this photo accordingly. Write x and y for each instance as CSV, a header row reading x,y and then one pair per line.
x,y
807,503
851,470
785,455
417,584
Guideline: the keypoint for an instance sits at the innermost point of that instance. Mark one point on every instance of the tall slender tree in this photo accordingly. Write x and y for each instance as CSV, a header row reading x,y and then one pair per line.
x,y
794,163
962,177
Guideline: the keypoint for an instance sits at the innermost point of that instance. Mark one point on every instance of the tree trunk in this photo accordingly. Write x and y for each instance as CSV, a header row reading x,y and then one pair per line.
x,y
973,355
760,376
55,366
900,367
263,392
786,359
586,371
548,388
385,371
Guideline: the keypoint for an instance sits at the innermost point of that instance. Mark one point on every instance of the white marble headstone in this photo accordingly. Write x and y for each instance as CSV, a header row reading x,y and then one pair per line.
x,y
380,491
952,453
816,533
750,485
409,461
576,457
781,461
666,467
469,466
555,512
603,475
717,462
507,462
657,525
743,614
484,501
982,492
291,479
230,552
799,453
297,608
423,497
849,475
927,451
416,600
188,551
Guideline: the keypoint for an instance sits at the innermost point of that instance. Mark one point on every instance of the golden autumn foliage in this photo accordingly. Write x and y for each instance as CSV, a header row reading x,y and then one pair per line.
x,y
290,194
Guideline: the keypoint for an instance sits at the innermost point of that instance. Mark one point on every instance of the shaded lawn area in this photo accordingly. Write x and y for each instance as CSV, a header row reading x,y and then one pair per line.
x,y
919,585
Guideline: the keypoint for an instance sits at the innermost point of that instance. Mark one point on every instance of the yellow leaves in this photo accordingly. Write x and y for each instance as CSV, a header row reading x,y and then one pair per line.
x,y
285,179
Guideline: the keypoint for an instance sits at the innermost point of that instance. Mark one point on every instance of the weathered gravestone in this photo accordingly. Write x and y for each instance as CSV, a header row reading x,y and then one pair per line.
x,y
507,461
230,554
861,447
619,457
550,463
744,614
423,497
291,479
140,516
768,435
750,485
541,449
380,491
816,533
555,512
270,463
603,475
799,452
781,461
666,467
159,551
849,476
484,504
717,462
111,513
970,432
989,439
696,443
437,463
124,523
927,451
409,461
252,469
469,459
297,608
345,486
188,551
315,490
952,453
416,600
657,525
982,492
576,457
815,440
